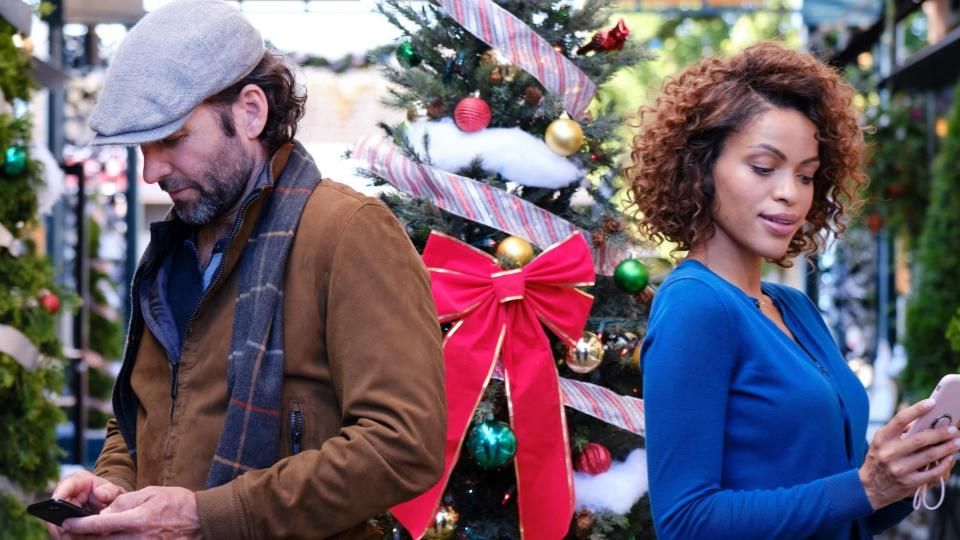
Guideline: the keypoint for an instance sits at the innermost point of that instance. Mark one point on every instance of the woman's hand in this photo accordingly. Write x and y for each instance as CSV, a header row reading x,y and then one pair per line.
x,y
895,465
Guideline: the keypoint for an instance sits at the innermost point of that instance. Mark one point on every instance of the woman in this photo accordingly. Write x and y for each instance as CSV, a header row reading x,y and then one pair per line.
x,y
756,427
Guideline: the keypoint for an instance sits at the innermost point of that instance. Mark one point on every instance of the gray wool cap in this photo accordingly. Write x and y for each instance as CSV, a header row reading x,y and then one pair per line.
x,y
173,59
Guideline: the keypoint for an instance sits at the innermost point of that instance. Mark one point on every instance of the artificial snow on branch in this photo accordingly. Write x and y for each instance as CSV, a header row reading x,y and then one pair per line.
x,y
514,154
616,490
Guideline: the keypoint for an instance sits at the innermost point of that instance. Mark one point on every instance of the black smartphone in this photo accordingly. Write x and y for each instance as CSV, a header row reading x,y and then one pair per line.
x,y
56,510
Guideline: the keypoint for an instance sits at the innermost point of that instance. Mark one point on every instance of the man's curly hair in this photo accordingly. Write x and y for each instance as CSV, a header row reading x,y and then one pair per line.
x,y
683,133
274,74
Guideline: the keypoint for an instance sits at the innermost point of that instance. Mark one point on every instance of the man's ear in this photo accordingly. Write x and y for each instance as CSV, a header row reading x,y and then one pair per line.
x,y
250,111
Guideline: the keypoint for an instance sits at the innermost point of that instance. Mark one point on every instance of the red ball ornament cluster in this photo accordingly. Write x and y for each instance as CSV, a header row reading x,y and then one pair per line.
x,y
594,459
472,114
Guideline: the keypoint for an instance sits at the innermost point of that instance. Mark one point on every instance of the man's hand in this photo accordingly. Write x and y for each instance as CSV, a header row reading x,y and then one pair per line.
x,y
86,490
165,512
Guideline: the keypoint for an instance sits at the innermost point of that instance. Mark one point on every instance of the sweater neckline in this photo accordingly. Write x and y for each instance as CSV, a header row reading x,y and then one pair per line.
x,y
792,322
765,287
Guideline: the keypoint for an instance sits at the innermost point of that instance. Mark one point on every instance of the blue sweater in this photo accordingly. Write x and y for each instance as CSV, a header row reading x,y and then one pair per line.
x,y
750,435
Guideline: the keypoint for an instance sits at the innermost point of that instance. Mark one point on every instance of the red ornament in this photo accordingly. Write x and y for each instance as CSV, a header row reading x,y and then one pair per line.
x,y
50,302
895,191
593,459
472,114
607,40
874,222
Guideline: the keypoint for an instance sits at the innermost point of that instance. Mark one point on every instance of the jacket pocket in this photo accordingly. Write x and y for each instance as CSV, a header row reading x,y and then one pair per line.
x,y
295,423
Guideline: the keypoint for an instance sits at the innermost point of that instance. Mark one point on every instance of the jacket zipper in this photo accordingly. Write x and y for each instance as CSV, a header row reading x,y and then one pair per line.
x,y
296,430
175,367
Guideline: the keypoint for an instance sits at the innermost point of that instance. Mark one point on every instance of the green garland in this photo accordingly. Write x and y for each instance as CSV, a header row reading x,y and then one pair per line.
x,y
17,525
937,294
899,189
106,334
28,448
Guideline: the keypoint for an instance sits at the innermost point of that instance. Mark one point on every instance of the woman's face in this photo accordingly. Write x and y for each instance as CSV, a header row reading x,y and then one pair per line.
x,y
764,185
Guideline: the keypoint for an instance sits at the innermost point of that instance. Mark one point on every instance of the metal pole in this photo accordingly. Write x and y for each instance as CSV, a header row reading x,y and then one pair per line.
x,y
55,105
55,96
81,319
133,228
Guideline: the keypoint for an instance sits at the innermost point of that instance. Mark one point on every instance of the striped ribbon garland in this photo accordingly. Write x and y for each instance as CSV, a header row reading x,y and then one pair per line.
x,y
19,347
501,30
476,201
10,242
625,412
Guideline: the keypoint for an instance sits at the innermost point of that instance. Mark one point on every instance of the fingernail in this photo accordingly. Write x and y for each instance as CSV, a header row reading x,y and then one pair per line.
x,y
952,430
929,403
956,442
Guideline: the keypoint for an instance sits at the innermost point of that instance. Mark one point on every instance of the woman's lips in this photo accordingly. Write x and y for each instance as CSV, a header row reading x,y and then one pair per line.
x,y
780,224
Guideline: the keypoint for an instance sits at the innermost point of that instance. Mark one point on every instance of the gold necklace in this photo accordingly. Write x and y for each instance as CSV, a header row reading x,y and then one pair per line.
x,y
761,301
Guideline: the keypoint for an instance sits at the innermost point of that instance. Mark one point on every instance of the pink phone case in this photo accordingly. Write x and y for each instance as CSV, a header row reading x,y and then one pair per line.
x,y
947,409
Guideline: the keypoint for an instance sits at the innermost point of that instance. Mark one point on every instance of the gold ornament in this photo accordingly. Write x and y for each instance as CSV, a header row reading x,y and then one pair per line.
x,y
564,136
27,45
514,252
509,72
444,524
587,355
415,112
636,356
491,57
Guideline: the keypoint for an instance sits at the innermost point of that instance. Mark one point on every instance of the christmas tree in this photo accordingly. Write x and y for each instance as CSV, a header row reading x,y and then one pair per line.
x,y
29,302
511,154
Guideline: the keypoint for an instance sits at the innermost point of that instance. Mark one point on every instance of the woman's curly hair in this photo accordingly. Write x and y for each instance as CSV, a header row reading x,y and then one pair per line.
x,y
671,176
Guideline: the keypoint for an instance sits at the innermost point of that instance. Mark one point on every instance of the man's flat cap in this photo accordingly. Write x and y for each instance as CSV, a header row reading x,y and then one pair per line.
x,y
173,59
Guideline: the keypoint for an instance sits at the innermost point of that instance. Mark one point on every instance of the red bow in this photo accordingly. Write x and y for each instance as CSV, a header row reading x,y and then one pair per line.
x,y
499,316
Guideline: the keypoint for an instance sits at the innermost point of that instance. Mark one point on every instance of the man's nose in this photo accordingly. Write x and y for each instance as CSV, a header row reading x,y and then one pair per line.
x,y
155,165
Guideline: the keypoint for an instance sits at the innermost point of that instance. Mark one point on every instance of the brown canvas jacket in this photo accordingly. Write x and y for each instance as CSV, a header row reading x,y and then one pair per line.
x,y
363,367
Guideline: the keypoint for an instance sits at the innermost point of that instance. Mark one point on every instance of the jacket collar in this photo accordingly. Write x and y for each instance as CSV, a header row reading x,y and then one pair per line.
x,y
164,234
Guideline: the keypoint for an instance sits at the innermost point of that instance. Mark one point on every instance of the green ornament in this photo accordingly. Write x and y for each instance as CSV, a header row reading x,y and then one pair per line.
x,y
631,276
16,160
492,444
408,57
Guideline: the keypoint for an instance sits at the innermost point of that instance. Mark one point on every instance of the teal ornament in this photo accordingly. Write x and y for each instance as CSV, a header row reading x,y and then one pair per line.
x,y
16,160
631,276
408,57
452,67
492,444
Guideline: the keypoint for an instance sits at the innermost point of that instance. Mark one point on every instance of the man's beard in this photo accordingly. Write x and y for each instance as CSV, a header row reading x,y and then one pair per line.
x,y
219,189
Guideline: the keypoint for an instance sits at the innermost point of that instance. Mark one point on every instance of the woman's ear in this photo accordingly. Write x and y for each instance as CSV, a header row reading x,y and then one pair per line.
x,y
250,111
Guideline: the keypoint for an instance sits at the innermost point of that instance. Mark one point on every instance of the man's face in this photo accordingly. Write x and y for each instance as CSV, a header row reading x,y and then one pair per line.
x,y
204,171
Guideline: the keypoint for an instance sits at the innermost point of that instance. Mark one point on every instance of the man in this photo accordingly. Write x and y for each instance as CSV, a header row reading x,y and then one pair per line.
x,y
283,369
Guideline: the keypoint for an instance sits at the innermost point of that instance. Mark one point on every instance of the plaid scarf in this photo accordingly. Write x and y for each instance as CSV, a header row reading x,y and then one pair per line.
x,y
251,428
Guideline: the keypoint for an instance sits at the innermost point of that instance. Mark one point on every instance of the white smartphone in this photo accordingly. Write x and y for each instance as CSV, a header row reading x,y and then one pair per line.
x,y
947,410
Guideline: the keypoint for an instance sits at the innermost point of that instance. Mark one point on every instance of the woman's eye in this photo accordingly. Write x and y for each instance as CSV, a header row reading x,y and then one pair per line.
x,y
762,171
806,179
